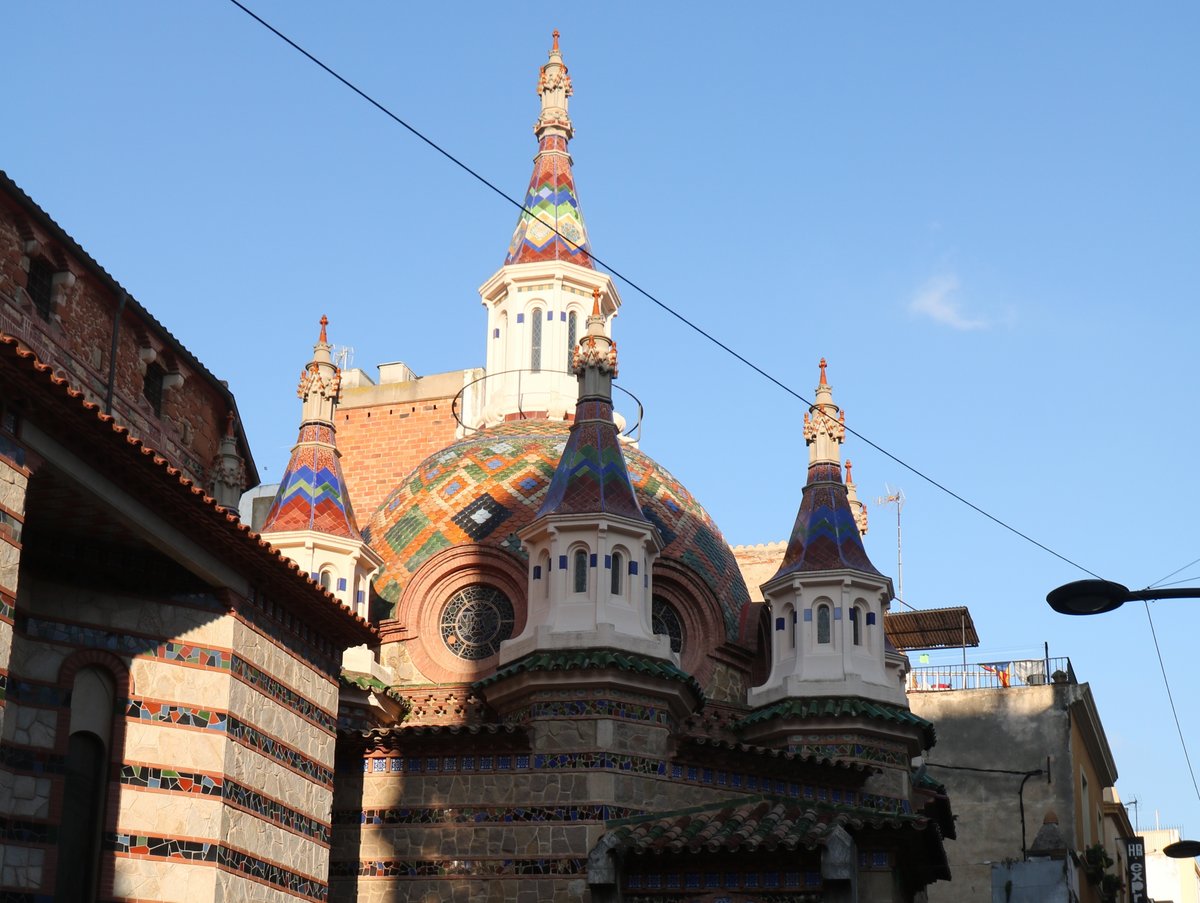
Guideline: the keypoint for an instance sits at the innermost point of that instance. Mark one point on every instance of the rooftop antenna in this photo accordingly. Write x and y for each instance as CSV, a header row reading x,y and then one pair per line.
x,y
896,497
343,356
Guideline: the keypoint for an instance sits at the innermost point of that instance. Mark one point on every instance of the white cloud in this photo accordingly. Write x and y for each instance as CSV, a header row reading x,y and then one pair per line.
x,y
936,300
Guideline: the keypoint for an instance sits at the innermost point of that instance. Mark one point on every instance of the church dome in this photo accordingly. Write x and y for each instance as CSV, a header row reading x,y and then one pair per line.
x,y
485,488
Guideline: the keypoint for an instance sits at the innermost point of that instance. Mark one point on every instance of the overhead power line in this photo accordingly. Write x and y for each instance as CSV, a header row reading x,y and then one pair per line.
x,y
646,294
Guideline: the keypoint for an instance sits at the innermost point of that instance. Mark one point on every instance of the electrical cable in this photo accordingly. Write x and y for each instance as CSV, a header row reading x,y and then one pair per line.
x,y
1171,699
646,294
1159,581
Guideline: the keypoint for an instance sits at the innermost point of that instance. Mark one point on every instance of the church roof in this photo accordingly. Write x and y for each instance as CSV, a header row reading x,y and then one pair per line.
x,y
747,824
591,475
841,707
486,487
312,494
551,225
825,536
595,659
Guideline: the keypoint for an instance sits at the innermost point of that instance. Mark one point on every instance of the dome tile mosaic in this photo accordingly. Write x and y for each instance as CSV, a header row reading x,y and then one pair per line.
x,y
487,487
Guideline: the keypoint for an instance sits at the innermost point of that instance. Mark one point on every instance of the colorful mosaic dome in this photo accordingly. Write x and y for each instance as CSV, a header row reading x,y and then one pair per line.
x,y
487,487
551,226
312,494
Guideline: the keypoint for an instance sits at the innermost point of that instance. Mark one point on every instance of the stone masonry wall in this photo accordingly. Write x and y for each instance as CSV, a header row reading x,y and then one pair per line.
x,y
16,863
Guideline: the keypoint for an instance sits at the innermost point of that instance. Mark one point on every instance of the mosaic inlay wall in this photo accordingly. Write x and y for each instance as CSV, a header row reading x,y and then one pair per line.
x,y
459,868
312,494
218,854
504,473
483,815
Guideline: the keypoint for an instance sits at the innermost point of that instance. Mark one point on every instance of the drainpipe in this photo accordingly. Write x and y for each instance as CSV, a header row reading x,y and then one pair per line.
x,y
112,352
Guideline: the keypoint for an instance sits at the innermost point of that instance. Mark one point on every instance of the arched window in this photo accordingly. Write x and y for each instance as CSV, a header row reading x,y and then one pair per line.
x,y
572,333
856,620
579,569
664,619
618,567
790,614
327,580
93,697
545,562
823,633
535,340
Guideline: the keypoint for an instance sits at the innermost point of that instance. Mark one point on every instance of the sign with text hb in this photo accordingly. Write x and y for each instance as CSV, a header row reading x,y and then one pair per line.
x,y
1135,863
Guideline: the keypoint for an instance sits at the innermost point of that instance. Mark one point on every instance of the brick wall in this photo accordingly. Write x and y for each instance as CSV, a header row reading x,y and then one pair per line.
x,y
382,442
76,339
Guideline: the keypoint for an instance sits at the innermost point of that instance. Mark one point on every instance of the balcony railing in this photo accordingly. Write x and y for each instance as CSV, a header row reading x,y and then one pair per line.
x,y
1031,672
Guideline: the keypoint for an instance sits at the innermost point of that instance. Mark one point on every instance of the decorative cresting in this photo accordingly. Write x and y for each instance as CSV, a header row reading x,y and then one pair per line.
x,y
551,226
591,549
311,520
827,600
312,494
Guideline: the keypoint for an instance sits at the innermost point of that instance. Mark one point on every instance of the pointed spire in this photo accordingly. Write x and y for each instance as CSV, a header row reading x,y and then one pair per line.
x,y
859,509
591,475
826,534
312,493
551,227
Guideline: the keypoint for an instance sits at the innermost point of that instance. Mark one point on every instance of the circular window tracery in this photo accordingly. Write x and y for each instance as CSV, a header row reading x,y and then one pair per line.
x,y
664,619
475,621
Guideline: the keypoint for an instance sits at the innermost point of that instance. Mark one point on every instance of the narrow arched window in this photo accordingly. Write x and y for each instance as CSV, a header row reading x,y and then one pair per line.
x,y
823,636
327,580
535,340
856,619
618,566
572,333
579,569
790,614
545,560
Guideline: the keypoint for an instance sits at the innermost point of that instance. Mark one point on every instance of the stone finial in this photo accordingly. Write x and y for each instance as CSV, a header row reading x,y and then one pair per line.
x,y
323,339
596,349
554,87
824,425
856,506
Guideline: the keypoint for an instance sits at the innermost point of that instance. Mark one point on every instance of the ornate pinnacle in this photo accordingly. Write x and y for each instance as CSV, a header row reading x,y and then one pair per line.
x,y
324,322
822,365
555,48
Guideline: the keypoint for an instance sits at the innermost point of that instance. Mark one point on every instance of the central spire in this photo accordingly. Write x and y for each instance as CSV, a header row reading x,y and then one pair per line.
x,y
551,226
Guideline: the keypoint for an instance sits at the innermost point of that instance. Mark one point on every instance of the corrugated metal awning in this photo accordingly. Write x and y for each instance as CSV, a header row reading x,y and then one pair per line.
x,y
933,628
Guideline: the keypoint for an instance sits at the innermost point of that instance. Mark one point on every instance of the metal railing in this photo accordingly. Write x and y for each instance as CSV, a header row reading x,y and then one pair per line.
x,y
1030,672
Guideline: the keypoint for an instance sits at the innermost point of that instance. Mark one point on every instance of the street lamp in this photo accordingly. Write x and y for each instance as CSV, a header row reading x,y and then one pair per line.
x,y
1094,597
1182,849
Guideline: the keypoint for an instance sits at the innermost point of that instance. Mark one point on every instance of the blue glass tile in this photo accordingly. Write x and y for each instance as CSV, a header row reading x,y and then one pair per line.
x,y
808,614
837,614
562,562
779,623
592,561
520,318
633,567
495,333
870,617
341,584
608,562
537,572
562,316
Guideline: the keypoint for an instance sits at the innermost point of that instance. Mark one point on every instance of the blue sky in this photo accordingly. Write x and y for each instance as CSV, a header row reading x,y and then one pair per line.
x,y
983,218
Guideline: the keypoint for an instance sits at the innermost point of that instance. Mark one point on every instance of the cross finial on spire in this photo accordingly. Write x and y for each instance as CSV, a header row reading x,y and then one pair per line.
x,y
849,479
824,382
555,48
596,302
324,340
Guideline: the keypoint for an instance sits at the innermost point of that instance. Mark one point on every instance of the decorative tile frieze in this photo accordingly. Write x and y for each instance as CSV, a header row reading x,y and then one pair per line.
x,y
483,815
305,708
231,791
176,715
34,693
277,622
226,857
13,830
31,761
591,708
459,868
255,739
123,643
154,778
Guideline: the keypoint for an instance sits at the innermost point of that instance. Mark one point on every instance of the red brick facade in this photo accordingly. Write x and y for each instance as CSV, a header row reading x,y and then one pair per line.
x,y
382,443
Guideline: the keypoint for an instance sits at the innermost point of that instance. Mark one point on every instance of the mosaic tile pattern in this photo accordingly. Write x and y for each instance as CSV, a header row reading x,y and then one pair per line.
x,y
6,610
234,793
825,536
234,860
312,494
483,815
168,779
15,830
551,203
513,465
789,881
268,685
281,752
178,715
591,475
456,868
592,708
280,623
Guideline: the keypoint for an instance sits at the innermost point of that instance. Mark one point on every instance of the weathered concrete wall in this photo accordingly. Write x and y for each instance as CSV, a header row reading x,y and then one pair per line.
x,y
1013,729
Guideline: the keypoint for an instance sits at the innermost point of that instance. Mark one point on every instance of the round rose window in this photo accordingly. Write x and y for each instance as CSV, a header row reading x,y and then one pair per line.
x,y
475,621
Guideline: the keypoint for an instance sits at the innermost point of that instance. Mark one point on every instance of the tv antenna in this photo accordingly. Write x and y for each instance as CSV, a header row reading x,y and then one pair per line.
x,y
896,497
343,357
